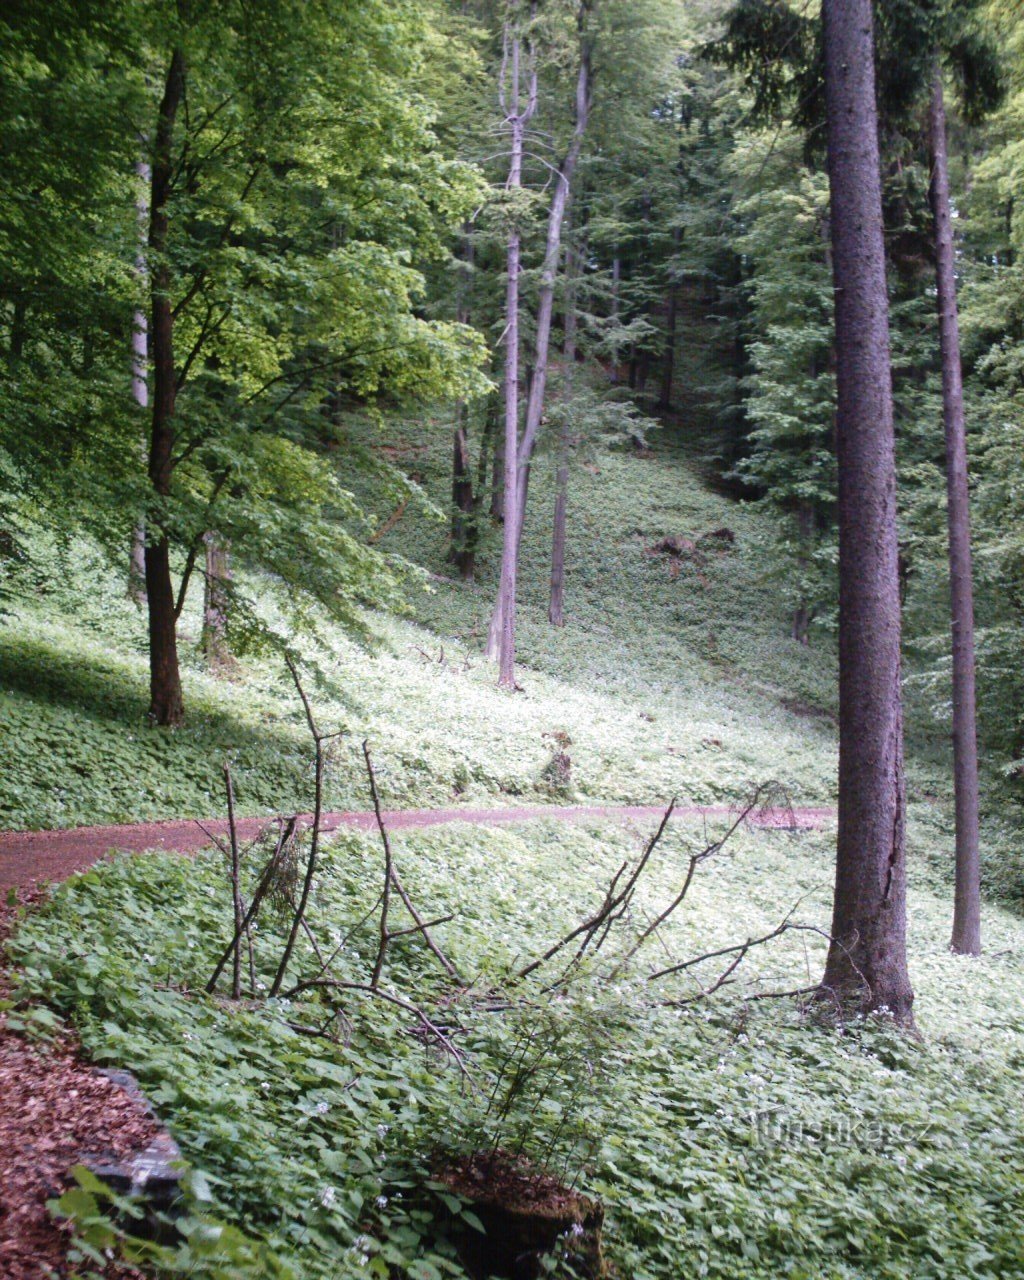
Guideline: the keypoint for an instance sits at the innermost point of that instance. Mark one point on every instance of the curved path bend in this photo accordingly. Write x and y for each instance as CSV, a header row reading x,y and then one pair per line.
x,y
27,857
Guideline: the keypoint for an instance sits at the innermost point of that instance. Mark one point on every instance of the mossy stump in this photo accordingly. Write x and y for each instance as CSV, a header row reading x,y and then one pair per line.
x,y
527,1216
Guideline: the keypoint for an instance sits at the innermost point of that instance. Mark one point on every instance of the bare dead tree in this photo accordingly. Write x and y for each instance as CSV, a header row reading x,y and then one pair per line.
x,y
767,797
385,897
267,877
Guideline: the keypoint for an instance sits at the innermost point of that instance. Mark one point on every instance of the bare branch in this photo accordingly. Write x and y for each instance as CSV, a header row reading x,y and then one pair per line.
x,y
314,842
385,899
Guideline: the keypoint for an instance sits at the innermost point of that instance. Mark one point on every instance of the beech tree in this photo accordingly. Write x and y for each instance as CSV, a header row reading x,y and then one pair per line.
x,y
500,643
867,962
296,189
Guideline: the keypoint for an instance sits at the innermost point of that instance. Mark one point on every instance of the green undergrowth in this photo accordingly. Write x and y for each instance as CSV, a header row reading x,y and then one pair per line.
x,y
665,685
727,1138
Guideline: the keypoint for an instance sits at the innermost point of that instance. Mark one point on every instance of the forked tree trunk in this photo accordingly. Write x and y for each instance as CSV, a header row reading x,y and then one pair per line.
x,y
545,304
140,386
966,938
215,600
501,638
166,704
867,964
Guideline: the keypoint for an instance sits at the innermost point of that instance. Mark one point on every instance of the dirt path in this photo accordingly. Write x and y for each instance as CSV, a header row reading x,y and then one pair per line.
x,y
28,857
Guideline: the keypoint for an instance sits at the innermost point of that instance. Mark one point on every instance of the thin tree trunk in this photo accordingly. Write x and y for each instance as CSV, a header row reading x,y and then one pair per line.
x,y
166,704
967,899
140,386
215,600
552,253
501,638
556,606
867,964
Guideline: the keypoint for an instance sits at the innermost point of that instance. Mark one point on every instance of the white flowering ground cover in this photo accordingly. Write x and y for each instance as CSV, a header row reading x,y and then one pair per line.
x,y
731,1138
727,1138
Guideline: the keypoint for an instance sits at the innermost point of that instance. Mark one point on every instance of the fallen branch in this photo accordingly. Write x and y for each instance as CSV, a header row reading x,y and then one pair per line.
x,y
385,898
390,522
379,993
739,952
236,892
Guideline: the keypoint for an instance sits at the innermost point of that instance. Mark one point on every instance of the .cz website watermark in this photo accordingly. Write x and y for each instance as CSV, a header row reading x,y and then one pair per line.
x,y
775,1128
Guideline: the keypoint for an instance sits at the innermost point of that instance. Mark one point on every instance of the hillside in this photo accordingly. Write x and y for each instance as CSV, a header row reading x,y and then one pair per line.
x,y
715,1166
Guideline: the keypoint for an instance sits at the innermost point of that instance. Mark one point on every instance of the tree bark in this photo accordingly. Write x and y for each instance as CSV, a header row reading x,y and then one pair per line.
x,y
866,967
966,938
462,552
552,252
166,703
140,385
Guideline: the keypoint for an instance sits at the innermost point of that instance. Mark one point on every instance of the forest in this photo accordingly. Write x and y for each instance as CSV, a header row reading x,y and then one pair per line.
x,y
512,639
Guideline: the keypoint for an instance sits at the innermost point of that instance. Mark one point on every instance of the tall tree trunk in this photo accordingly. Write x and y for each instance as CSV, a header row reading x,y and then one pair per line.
x,y
215,600
520,459
166,704
552,252
867,964
556,606
967,899
501,638
140,386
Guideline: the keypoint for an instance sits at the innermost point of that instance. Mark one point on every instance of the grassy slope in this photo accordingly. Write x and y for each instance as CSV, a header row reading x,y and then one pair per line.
x,y
665,685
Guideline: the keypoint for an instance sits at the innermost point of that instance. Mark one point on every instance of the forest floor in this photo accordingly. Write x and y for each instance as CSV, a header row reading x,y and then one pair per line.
x,y
733,1136
31,857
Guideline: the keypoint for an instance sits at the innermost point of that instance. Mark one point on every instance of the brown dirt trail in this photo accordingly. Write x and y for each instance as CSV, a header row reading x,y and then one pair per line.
x,y
29,857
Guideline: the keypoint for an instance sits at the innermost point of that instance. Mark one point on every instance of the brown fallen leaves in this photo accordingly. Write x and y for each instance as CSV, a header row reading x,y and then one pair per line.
x,y
54,1109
